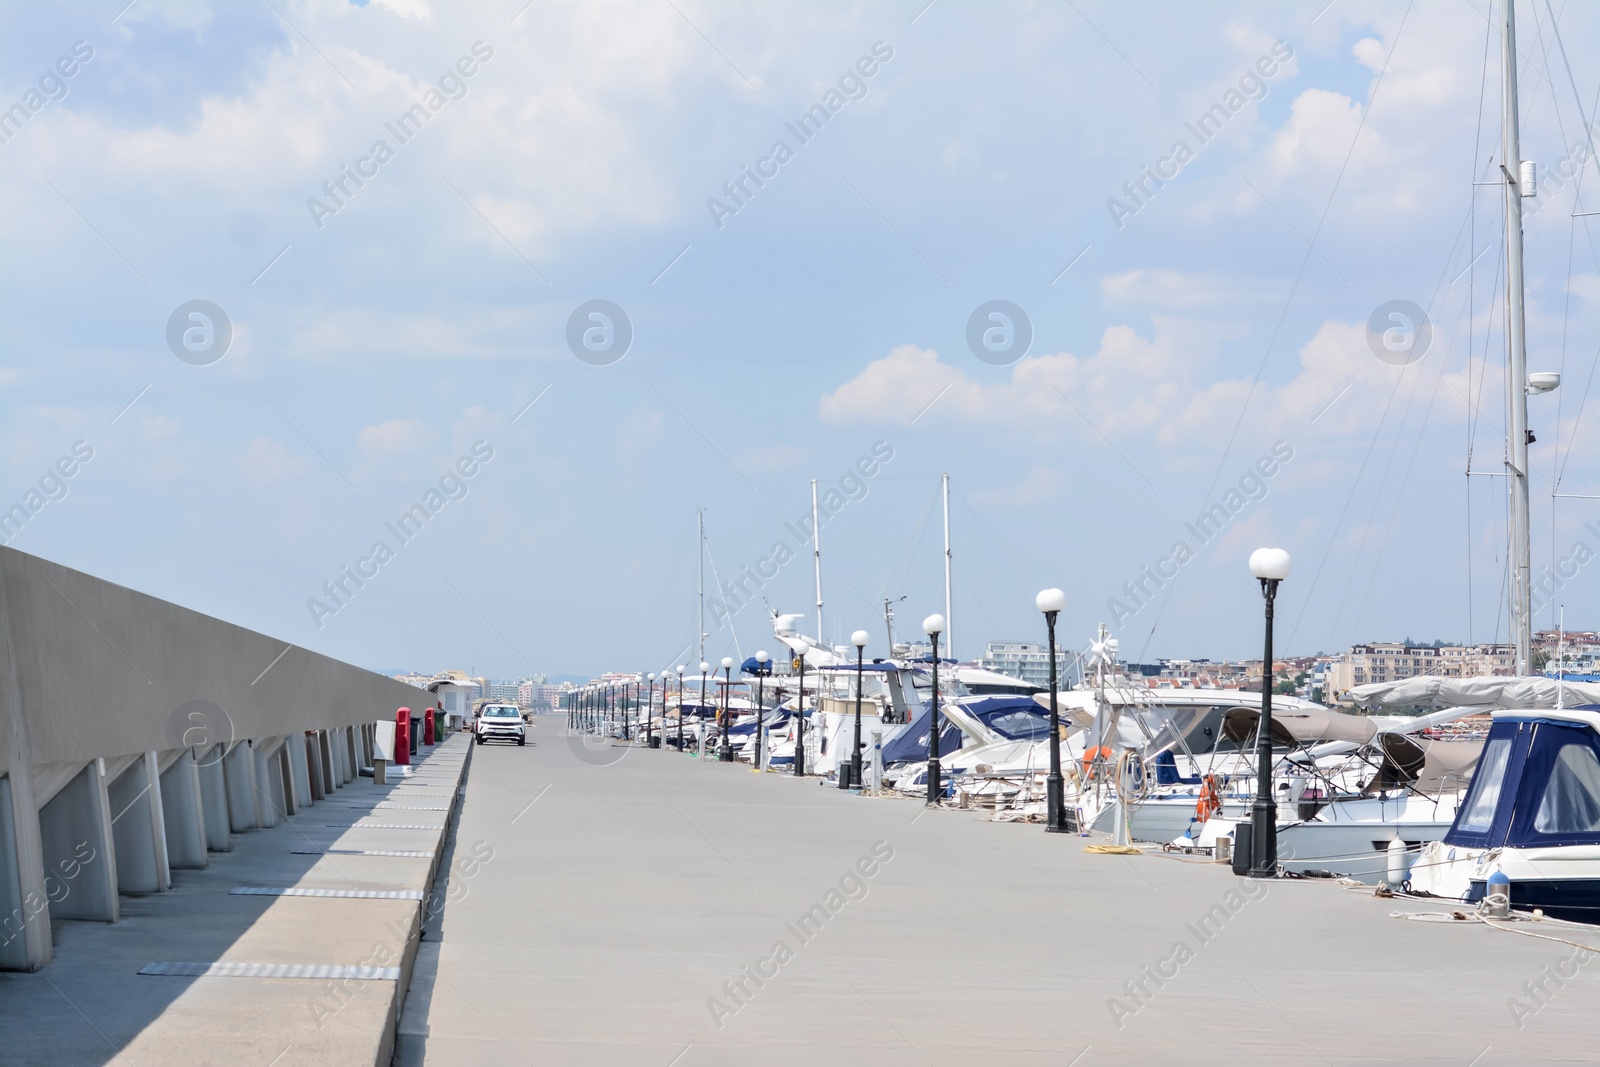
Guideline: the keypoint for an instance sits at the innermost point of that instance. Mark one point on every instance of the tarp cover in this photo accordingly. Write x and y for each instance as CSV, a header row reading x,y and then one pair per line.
x,y
1487,693
1291,726
1428,766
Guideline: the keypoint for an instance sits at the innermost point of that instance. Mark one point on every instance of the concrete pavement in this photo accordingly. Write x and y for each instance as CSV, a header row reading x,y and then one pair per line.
x,y
92,1006
638,907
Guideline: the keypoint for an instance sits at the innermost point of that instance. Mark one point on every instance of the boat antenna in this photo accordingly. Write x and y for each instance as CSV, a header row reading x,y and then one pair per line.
x,y
1561,656
949,631
816,560
700,570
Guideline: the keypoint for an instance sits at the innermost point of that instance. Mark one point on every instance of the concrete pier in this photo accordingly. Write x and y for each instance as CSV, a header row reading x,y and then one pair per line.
x,y
636,901
368,885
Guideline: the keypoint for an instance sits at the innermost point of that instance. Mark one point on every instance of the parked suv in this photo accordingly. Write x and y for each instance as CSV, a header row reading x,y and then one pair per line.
x,y
501,722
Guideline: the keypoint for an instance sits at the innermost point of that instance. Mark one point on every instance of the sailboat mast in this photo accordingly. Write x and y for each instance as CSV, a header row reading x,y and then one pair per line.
x,y
1516,363
949,628
700,571
816,560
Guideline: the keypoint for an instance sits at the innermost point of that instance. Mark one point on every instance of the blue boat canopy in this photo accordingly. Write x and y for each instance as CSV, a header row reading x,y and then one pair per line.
x,y
1537,784
911,744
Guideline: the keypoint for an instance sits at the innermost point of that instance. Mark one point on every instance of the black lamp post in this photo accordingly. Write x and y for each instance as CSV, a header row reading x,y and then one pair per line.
x,y
852,780
1270,566
933,626
727,709
649,713
1051,601
761,674
800,717
704,667
681,669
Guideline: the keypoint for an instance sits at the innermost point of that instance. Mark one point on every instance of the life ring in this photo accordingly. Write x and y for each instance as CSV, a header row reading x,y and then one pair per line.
x,y
1209,803
1093,753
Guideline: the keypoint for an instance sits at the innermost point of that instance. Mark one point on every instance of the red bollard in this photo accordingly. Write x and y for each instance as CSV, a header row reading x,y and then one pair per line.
x,y
427,726
402,736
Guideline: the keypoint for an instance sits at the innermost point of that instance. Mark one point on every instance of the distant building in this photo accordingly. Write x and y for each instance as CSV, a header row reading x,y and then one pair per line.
x,y
504,693
1025,660
1389,661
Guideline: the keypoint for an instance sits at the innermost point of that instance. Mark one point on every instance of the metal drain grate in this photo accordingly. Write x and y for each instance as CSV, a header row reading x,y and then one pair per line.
x,y
361,894
360,852
319,971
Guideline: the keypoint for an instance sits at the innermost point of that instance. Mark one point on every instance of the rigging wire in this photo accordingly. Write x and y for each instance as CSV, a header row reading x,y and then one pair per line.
x,y
1366,113
913,543
1400,496
998,555
1377,497
1472,293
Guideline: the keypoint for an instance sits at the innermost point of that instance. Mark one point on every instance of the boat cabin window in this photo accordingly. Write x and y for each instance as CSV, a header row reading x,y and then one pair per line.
x,y
1021,725
1571,803
1485,796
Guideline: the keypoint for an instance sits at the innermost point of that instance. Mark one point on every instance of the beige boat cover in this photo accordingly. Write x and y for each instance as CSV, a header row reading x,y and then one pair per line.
x,y
1291,726
1425,764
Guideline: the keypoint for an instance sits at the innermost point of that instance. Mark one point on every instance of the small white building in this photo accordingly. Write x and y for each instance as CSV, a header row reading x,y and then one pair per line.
x,y
455,693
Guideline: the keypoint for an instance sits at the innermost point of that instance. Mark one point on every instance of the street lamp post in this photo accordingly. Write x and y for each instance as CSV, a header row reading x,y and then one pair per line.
x,y
1270,566
933,626
761,672
681,669
704,667
1051,601
800,718
852,780
649,713
727,709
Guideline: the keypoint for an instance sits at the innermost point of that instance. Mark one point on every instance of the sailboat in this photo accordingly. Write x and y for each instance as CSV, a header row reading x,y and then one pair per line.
x,y
1528,830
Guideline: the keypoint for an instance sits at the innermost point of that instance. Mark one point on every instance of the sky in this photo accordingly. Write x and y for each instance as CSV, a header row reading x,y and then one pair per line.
x,y
418,334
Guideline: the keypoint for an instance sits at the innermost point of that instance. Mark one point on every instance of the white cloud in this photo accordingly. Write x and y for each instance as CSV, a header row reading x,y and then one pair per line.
x,y
397,437
267,462
1037,486
1152,388
768,458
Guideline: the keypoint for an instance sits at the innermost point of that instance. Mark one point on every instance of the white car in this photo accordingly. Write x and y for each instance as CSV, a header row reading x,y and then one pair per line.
x,y
502,722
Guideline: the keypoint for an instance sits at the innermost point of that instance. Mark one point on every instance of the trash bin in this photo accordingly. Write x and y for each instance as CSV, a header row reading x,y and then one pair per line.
x,y
438,724
402,736
1242,836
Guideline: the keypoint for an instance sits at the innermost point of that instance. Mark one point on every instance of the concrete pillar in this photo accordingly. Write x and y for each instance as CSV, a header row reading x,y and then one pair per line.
x,y
24,893
239,771
20,913
314,767
269,789
351,762
285,774
214,799
80,856
299,775
138,828
325,753
184,814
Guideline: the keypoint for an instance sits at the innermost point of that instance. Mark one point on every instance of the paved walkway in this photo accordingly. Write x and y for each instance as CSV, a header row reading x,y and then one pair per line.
x,y
92,1006
630,893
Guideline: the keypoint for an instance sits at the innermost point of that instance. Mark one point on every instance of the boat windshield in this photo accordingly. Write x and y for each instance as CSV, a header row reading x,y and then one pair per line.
x,y
1571,803
1479,814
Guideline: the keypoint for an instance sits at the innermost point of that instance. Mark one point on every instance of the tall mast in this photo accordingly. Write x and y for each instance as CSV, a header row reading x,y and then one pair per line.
x,y
700,570
816,560
1516,362
949,628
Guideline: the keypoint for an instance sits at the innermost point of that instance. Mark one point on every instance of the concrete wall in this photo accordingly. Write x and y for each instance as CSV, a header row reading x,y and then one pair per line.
x,y
171,728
